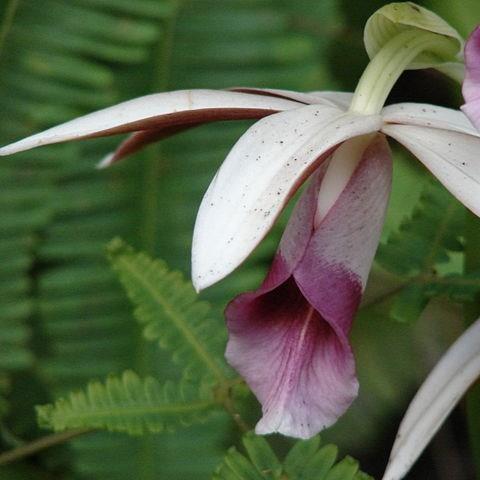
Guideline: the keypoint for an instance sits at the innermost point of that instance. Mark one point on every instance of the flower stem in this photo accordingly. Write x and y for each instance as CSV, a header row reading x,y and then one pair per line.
x,y
388,64
472,311
41,444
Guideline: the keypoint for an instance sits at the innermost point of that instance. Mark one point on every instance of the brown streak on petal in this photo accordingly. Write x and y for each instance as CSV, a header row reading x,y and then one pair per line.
x,y
267,93
187,119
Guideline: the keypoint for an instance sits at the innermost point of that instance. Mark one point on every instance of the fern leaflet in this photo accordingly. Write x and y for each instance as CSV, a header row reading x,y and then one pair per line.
x,y
305,461
167,307
127,404
422,245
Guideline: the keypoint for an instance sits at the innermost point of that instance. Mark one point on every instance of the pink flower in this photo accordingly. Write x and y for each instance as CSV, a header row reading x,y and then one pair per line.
x,y
289,339
471,84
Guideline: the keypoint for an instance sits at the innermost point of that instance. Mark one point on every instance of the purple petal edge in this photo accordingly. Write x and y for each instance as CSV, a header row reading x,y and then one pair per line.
x,y
471,84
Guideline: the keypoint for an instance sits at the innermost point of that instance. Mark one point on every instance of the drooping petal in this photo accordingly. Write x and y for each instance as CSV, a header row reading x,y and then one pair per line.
x,y
471,84
334,269
292,360
259,175
436,398
334,99
432,116
160,110
451,156
289,339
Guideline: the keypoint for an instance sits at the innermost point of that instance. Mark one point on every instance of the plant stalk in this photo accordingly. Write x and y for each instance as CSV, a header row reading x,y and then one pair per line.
x,y
41,444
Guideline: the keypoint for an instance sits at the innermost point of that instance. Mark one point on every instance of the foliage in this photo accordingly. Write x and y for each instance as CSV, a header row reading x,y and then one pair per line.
x,y
421,248
165,306
127,404
169,311
306,460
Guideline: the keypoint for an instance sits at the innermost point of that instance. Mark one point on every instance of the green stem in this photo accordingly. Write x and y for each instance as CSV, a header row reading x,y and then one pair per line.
x,y
388,64
154,164
472,311
41,444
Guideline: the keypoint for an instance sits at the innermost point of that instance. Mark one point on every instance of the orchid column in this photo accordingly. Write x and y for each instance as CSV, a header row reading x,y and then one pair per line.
x,y
289,339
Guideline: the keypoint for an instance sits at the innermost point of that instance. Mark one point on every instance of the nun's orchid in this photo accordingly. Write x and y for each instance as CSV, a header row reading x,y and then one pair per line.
x,y
289,339
471,84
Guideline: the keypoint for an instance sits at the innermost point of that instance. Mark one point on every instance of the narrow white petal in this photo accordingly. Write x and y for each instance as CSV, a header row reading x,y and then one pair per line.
x,y
154,111
432,116
340,99
258,177
451,156
441,391
334,99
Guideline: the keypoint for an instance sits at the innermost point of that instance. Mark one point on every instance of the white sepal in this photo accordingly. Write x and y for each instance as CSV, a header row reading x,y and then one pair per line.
x,y
425,115
444,387
259,175
155,111
451,156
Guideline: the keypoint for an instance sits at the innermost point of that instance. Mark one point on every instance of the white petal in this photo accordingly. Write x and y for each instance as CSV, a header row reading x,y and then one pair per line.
x,y
258,177
157,110
340,99
454,158
441,391
334,99
429,116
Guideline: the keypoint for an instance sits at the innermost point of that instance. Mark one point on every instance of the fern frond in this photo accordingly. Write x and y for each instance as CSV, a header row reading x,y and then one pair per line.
x,y
422,245
426,238
90,333
167,307
305,461
128,404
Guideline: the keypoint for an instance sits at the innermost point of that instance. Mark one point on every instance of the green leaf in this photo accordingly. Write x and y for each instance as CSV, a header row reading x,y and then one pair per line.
x,y
301,452
305,461
262,456
425,239
127,404
424,251
167,306
318,465
345,470
236,467
409,303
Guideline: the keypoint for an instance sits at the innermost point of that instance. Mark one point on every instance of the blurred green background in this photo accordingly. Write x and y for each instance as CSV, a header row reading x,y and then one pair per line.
x,y
63,316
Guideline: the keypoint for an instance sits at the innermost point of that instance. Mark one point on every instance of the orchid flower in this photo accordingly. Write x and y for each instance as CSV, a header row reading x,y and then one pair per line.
x,y
456,371
471,85
289,339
